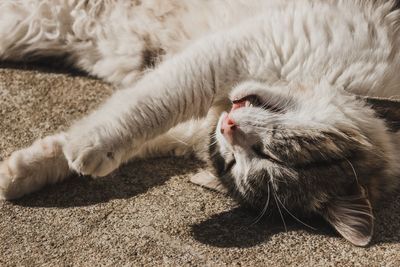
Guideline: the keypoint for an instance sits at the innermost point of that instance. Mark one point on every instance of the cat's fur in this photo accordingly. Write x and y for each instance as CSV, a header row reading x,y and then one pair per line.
x,y
308,145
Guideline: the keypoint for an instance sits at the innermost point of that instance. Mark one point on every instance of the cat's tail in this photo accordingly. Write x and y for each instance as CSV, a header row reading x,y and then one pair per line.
x,y
75,32
33,28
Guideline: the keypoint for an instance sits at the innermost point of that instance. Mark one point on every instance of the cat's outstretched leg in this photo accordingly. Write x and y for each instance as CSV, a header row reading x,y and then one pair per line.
x,y
181,88
29,169
43,163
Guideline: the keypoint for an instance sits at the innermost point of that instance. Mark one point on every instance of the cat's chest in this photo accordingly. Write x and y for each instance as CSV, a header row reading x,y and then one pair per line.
x,y
344,47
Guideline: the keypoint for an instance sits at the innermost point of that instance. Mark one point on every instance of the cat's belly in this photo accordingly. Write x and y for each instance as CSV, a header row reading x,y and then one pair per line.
x,y
314,40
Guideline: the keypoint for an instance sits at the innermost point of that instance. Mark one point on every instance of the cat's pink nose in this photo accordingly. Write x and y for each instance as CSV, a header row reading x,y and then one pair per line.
x,y
228,125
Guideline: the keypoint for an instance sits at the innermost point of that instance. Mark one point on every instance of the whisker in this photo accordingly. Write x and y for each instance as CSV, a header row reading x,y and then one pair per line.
x,y
354,170
213,134
258,218
294,217
279,209
213,143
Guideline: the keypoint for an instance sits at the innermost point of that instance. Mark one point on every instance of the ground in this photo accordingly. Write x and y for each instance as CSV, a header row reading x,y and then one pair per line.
x,y
147,212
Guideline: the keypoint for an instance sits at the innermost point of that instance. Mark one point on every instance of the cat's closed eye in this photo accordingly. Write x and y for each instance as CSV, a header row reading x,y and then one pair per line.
x,y
256,101
258,150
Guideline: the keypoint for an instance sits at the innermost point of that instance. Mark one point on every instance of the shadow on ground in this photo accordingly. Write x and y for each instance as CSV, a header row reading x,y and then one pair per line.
x,y
129,181
237,227
56,65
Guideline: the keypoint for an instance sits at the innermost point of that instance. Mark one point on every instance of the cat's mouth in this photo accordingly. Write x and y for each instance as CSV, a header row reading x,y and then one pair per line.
x,y
246,101
227,125
230,129
254,100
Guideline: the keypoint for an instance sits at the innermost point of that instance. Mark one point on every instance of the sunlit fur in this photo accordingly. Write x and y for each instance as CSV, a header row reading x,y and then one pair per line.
x,y
313,147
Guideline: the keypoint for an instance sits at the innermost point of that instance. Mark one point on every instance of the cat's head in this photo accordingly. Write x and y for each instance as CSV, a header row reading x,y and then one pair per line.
x,y
305,150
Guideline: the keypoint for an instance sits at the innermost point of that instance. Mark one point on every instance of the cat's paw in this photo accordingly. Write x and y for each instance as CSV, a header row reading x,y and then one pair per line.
x,y
31,168
15,178
14,181
91,155
5,182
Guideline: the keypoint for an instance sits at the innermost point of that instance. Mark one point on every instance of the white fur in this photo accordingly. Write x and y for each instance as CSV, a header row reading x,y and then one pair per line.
x,y
210,47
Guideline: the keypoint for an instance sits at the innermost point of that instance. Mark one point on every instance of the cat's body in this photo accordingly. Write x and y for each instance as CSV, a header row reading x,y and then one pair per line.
x,y
291,68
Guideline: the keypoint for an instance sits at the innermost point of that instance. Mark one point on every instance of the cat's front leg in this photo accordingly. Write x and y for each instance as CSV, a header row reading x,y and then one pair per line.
x,y
110,136
104,140
183,87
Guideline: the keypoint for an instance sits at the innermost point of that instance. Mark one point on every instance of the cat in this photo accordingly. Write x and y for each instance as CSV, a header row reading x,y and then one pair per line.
x,y
292,103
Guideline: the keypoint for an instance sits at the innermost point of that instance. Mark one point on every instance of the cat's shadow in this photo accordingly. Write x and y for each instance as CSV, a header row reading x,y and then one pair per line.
x,y
55,65
236,228
230,229
125,183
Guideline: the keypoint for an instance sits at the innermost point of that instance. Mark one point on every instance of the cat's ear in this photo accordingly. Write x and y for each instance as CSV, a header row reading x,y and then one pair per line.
x,y
208,180
352,217
387,109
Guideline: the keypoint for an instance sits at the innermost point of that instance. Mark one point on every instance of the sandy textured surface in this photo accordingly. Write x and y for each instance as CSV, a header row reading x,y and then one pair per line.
x,y
147,213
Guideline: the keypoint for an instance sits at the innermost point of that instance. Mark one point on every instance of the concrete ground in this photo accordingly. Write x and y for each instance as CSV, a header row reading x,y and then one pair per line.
x,y
147,213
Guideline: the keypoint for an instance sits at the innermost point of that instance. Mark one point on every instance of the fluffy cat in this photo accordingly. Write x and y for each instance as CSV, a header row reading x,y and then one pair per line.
x,y
291,102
